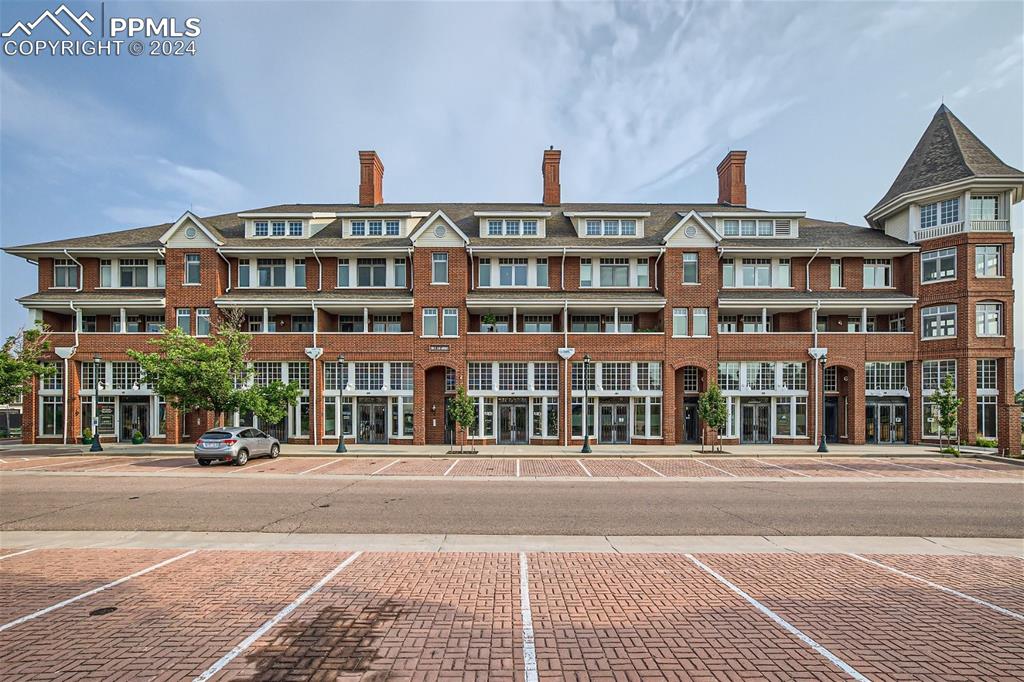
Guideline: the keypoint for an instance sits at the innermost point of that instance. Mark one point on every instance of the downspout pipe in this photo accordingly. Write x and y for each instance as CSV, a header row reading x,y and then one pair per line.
x,y
656,262
472,269
67,377
561,273
228,263
81,270
807,275
319,283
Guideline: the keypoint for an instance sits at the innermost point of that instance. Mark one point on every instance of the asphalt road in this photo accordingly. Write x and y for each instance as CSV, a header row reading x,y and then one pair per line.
x,y
948,509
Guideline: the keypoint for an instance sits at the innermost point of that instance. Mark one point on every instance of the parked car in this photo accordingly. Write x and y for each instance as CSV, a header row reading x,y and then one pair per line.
x,y
236,445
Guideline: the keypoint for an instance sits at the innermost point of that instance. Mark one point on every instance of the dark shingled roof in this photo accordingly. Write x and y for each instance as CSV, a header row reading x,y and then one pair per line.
x,y
825,234
948,151
93,296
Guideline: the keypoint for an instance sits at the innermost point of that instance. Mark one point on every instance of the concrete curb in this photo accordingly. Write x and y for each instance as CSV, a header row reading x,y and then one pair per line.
x,y
999,458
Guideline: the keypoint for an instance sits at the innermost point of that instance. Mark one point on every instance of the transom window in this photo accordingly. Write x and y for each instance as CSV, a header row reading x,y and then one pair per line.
x,y
877,273
885,376
369,376
761,376
988,260
298,372
691,380
266,372
938,265
987,375
578,369
65,273
126,376
938,321
480,376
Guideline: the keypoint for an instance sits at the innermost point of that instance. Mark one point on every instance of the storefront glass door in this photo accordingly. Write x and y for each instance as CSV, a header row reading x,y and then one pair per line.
x,y
512,423
614,422
372,421
134,417
756,424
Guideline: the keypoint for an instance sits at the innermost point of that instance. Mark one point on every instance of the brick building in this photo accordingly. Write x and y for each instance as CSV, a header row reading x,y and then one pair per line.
x,y
509,300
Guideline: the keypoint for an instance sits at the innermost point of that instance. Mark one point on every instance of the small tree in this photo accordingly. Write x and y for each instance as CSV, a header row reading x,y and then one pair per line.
x,y
462,409
270,402
712,410
20,363
948,404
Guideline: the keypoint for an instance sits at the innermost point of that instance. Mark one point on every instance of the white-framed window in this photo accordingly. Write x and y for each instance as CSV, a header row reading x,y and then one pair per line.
x,y
949,210
530,228
65,273
836,273
700,322
614,272
648,376
51,415
450,322
183,319
439,271
615,376
545,417
647,417
987,427
680,322
691,380
277,228
728,272
513,271
299,272
202,321
729,376
578,369
401,416
727,324
266,372
386,324
480,376
105,273
933,372
929,215
358,228
643,273
938,321
938,265
885,376
261,228
538,323
494,227
877,273
484,272
988,318
761,376
593,228
690,269
243,273
134,272
502,324
298,373
513,376
391,228
302,323
343,273
898,322
295,228
192,268
585,323
126,376
988,260
400,276
831,379
271,272
375,228
586,272
545,376
542,272
161,273
369,376
794,376
54,381
450,380
351,324
984,207
756,272
782,273
987,374
430,322
371,272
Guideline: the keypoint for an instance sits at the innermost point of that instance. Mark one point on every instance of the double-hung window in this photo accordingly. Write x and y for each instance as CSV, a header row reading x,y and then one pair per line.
x,y
430,322
450,322
161,273
371,272
728,272
192,269
988,260
985,207
836,273
343,273
700,322
938,265
877,273
757,272
65,273
299,269
542,272
271,271
202,321
183,320
134,272
439,271
614,272
400,272
485,272
680,322
938,321
690,268
512,272
988,317
586,272
243,273
105,273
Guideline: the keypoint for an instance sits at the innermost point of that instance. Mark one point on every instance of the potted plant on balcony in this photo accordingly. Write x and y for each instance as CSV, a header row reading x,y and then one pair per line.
x,y
488,321
137,437
86,436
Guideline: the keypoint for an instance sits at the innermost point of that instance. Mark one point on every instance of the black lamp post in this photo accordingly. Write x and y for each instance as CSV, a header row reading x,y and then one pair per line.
x,y
822,447
96,364
586,405
341,404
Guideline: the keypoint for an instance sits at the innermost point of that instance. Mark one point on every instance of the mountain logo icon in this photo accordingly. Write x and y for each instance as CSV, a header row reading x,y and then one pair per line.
x,y
54,18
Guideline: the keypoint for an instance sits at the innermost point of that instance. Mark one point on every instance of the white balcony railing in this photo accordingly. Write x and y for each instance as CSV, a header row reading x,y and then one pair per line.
x,y
962,226
990,225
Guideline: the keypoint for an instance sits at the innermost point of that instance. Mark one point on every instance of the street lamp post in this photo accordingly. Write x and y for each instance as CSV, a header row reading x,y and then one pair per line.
x,y
586,405
96,364
822,447
341,404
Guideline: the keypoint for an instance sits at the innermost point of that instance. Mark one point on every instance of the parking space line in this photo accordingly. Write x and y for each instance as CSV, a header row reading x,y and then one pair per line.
x,y
277,618
385,467
321,466
449,469
780,621
783,468
727,473
529,647
971,466
859,471
41,466
24,551
949,590
647,466
122,464
585,469
927,471
517,467
95,590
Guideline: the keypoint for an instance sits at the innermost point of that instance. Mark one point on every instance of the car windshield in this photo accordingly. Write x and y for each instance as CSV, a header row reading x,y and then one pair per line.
x,y
216,435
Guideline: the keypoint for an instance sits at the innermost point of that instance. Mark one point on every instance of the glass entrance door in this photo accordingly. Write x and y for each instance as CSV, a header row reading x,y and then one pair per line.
x,y
372,423
756,422
690,430
886,422
512,420
134,417
614,422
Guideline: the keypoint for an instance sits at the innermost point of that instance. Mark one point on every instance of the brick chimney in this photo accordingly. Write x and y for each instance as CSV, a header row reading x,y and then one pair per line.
x,y
732,182
371,179
549,169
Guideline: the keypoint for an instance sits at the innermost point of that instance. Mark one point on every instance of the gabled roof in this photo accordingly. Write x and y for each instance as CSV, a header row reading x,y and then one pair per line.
x,y
948,151
430,221
213,235
696,217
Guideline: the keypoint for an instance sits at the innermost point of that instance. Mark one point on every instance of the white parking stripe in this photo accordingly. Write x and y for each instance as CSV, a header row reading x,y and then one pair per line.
x,y
859,471
783,468
24,551
647,466
585,469
321,466
971,466
529,649
785,625
517,468
449,469
281,615
949,590
57,464
385,467
93,591
927,471
728,473
123,464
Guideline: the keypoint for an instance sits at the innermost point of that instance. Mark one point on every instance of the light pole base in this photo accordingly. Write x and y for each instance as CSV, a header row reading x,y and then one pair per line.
x,y
586,446
96,447
821,446
341,446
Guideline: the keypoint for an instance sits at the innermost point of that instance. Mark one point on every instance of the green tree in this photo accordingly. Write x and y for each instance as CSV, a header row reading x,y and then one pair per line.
x,y
21,362
199,374
462,409
948,404
270,402
712,410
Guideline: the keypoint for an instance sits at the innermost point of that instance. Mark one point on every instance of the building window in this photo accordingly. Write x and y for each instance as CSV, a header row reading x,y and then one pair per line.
x,y
542,272
690,268
391,228
192,274
643,273
987,417
727,324
530,228
480,376
938,321
987,374
266,372
512,228
782,271
183,320
271,272
485,272
648,376
134,272
451,322
354,324
586,273
898,323
988,260
401,417
934,371
299,272
885,376
761,376
369,376
537,323
494,227
585,323
298,373
929,215
343,273
512,271
545,418
728,272
277,228
400,276
800,410
985,207
700,322
202,321
578,369
243,273
376,228
938,265
593,228
500,325
54,381
401,376
261,228
105,270
371,272
88,323
615,376
450,379
836,273
831,379
794,376
358,228
877,273
756,272
949,211
65,273
729,376
680,322
302,323
440,268
989,319
126,376
161,273
513,376
51,417
387,324
614,272
691,381
295,228
545,376
430,322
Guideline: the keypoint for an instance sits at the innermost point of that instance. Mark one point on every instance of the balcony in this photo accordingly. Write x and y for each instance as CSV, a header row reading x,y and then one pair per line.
x,y
573,312
960,227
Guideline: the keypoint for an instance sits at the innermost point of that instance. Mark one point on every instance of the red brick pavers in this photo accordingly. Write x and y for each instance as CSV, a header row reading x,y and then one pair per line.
x,y
811,467
400,617
354,466
748,467
684,468
883,467
47,463
654,616
169,624
545,468
35,580
976,468
999,580
615,468
419,467
282,465
484,467
884,625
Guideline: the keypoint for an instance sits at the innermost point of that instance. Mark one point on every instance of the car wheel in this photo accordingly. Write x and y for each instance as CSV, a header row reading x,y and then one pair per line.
x,y
275,450
242,458
204,462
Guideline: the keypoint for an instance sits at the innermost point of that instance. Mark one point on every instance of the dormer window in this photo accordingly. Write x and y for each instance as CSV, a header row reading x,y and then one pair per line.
x,y
375,227
358,228
391,228
277,228
940,212
261,228
295,228
611,227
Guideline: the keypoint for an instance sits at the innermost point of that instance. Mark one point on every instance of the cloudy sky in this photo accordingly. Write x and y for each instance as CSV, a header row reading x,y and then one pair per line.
x,y
459,99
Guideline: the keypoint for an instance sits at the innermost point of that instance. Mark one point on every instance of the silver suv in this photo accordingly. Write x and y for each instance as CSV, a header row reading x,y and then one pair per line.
x,y
236,445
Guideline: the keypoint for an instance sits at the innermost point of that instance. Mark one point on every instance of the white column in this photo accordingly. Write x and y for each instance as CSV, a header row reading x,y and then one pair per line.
x,y
863,319
266,321
515,315
764,319
814,320
124,321
616,320
366,320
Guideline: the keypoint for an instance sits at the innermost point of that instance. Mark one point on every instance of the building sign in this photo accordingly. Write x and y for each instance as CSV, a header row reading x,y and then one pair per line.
x,y
106,413
439,348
